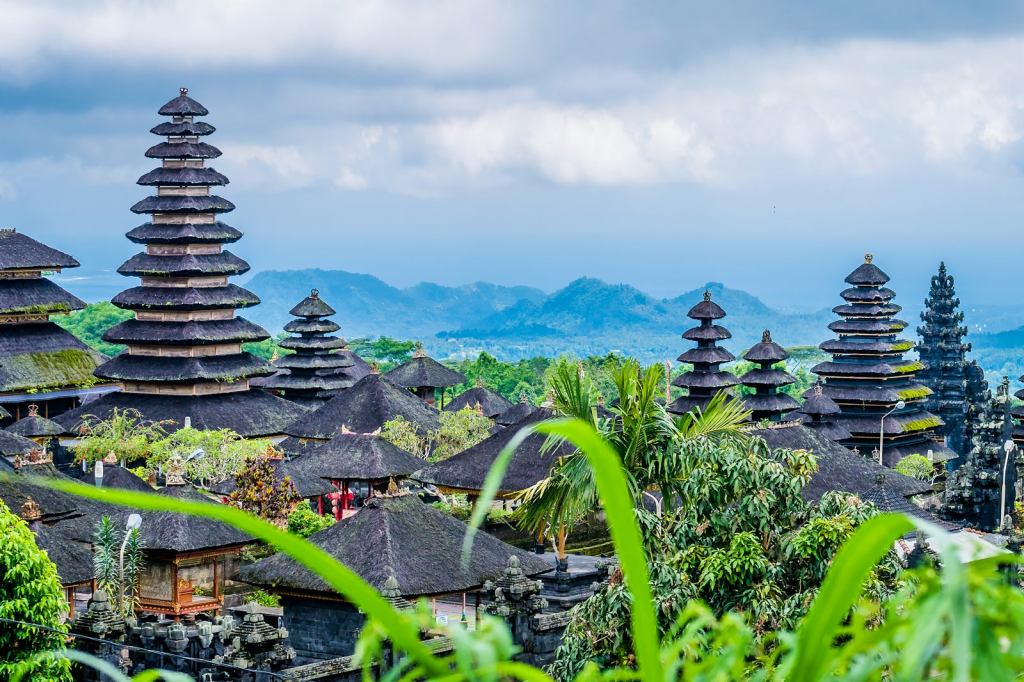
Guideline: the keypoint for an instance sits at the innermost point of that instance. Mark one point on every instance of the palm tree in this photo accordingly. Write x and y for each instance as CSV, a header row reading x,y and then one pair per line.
x,y
654,446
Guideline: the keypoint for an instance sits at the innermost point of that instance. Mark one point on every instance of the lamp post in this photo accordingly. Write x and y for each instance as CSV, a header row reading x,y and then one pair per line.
x,y
134,522
1008,447
881,428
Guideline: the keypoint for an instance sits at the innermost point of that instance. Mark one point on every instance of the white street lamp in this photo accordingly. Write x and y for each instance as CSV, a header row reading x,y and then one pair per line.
x,y
1008,447
134,522
881,428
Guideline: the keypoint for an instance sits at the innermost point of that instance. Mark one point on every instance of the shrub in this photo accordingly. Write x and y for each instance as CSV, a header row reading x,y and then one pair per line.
x,y
916,466
303,521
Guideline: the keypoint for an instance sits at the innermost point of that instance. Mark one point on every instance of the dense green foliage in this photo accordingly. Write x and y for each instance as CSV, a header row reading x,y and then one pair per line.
x,y
916,466
90,323
209,456
457,431
303,521
30,592
260,493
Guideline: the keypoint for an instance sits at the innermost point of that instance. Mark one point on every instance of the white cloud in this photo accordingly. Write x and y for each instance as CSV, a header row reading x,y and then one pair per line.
x,y
445,37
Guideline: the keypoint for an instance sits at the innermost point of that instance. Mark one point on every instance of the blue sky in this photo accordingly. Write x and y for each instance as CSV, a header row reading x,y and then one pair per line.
x,y
765,145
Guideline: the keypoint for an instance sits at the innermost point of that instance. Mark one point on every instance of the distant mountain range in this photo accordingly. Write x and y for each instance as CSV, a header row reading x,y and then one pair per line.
x,y
587,316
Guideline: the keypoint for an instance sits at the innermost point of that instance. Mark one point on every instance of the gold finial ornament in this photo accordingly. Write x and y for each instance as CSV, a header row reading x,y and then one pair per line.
x,y
766,336
315,293
33,410
175,471
420,352
868,257
817,389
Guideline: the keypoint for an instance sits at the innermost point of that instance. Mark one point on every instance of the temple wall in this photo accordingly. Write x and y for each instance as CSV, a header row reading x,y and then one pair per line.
x,y
319,629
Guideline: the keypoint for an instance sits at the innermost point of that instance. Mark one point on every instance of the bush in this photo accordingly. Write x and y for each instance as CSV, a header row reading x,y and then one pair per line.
x,y
30,591
916,466
303,521
264,598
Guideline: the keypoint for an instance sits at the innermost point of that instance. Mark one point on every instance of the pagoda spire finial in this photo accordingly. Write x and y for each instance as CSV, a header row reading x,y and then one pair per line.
x,y
183,91
314,293
766,336
868,258
707,294
818,389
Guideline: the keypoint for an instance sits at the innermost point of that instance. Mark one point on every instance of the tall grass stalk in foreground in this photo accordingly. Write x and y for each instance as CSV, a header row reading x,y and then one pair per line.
x,y
958,634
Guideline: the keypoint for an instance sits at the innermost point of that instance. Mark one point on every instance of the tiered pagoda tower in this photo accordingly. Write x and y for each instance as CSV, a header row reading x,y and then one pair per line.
x,y
706,378
976,399
766,381
942,351
40,363
184,358
868,376
316,372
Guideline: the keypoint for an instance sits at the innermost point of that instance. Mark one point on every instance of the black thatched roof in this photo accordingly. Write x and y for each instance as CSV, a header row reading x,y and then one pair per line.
x,y
183,150
43,355
36,295
187,233
491,402
223,263
34,426
706,309
194,333
208,203
4,414
128,367
517,413
183,105
114,476
307,485
840,468
72,557
172,532
182,129
250,413
357,457
709,355
21,252
12,444
185,298
312,306
468,469
867,274
420,371
15,491
364,408
182,177
401,536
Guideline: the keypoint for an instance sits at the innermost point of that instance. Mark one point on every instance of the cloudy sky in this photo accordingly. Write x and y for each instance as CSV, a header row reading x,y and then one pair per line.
x,y
767,145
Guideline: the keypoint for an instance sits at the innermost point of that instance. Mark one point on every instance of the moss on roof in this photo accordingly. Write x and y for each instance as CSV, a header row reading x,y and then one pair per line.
x,y
48,369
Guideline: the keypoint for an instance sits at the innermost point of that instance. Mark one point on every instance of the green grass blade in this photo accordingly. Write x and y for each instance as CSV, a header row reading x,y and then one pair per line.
x,y
402,632
617,500
840,590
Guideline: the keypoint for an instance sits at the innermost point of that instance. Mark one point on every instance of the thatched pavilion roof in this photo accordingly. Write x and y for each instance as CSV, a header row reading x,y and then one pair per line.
x,y
422,371
401,537
491,402
356,457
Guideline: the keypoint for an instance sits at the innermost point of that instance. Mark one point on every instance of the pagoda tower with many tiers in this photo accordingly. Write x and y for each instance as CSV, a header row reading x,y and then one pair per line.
x,y
706,378
184,357
767,402
318,370
868,376
942,351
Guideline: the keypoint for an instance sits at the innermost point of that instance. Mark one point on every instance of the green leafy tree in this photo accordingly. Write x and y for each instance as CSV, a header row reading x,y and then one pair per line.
x,y
303,521
224,453
511,379
258,492
916,466
30,593
457,431
384,350
122,588
268,348
125,433
90,323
